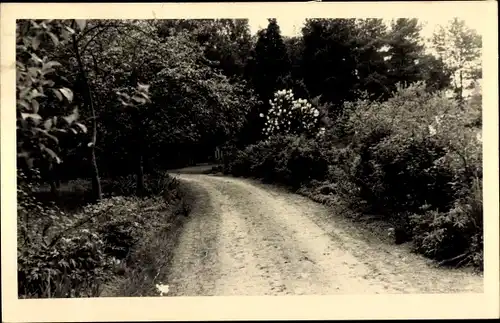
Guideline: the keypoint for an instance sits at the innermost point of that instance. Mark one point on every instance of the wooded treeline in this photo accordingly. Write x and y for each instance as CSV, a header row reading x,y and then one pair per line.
x,y
360,104
374,121
206,79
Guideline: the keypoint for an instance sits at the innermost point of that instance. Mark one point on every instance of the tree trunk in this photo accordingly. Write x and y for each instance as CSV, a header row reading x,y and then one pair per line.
x,y
461,88
140,175
53,180
53,189
139,142
96,182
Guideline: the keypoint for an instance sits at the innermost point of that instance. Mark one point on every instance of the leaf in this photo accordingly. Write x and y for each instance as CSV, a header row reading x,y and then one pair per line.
x,y
23,154
144,95
36,94
24,103
48,124
81,23
72,117
48,135
71,30
81,126
64,34
31,116
142,87
33,71
35,42
67,93
58,94
54,38
30,162
125,95
51,64
52,154
36,58
124,103
35,24
139,99
24,92
35,105
49,83
47,71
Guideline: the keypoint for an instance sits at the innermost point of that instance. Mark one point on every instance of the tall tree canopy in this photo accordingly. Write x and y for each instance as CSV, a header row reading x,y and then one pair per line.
x,y
227,42
371,66
329,59
405,50
148,97
460,49
152,92
269,64
267,70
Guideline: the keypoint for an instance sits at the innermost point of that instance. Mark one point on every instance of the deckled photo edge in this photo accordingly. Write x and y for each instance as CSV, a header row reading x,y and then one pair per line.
x,y
296,307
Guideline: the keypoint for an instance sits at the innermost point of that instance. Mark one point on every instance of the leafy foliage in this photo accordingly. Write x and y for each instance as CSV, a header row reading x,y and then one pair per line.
x,y
460,49
40,127
414,160
141,92
76,254
128,99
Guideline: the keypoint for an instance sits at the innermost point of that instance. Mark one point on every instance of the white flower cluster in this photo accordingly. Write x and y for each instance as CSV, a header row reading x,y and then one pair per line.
x,y
288,115
162,289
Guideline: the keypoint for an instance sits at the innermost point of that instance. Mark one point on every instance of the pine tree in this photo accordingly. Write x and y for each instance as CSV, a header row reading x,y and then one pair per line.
x,y
267,69
405,51
371,67
329,60
270,61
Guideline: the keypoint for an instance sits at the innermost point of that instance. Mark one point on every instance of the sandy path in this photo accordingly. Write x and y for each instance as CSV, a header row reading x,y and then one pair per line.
x,y
245,238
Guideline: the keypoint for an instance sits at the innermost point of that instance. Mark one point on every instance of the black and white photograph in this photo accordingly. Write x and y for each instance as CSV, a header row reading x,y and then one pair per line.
x,y
248,156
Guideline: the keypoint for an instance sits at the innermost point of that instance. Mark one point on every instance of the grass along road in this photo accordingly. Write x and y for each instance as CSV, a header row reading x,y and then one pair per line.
x,y
247,238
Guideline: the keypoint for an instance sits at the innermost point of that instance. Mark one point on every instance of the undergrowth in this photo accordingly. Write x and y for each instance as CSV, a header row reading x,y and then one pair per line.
x,y
413,161
79,251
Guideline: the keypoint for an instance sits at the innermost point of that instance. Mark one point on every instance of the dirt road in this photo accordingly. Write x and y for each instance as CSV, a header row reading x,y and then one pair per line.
x,y
246,238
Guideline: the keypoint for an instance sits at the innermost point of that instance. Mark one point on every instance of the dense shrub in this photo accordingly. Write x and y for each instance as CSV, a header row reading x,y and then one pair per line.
x,y
74,253
455,236
289,160
417,149
415,160
59,254
155,183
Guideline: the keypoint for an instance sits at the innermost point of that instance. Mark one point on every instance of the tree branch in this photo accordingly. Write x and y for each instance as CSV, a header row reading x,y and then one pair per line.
x,y
91,39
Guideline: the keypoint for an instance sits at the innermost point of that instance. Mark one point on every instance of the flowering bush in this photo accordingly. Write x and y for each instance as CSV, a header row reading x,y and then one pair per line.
x,y
290,116
415,160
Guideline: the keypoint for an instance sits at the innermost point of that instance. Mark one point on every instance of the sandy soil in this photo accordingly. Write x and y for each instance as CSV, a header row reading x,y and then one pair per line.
x,y
246,238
